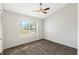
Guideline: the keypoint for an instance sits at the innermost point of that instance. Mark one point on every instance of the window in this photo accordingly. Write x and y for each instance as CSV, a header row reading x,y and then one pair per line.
x,y
28,28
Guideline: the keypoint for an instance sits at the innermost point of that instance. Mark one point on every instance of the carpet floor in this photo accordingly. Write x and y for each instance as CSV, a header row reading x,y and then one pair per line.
x,y
41,47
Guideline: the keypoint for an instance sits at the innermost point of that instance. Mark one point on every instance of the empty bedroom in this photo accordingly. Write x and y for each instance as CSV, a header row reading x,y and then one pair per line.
x,y
38,28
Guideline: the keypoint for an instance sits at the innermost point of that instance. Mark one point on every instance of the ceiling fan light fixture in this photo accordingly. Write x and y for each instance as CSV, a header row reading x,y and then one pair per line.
x,y
43,10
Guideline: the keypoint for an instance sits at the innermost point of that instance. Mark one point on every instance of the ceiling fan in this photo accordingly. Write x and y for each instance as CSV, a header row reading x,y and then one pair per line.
x,y
43,10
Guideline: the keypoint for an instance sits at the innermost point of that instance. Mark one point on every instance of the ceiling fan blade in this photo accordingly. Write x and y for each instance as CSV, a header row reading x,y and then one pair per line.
x,y
37,10
46,9
44,12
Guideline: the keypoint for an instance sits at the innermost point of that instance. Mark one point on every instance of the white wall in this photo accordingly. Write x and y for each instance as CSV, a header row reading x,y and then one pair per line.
x,y
0,22
11,29
1,36
61,27
0,27
78,28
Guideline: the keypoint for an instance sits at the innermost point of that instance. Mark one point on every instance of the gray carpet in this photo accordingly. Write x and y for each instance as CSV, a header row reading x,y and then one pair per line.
x,y
40,47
